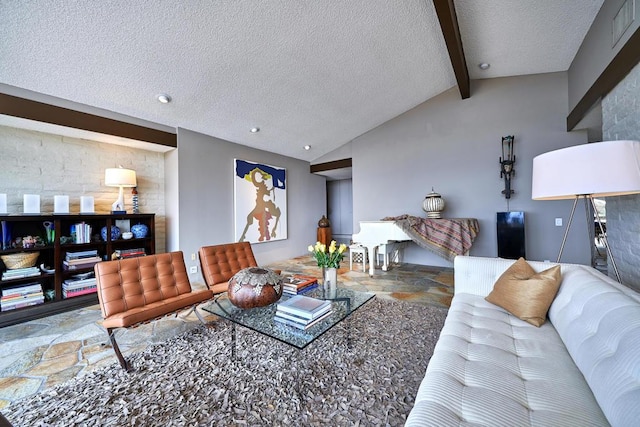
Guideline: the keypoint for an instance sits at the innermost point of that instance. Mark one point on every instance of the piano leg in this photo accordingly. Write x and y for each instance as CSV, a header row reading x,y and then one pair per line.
x,y
386,250
372,258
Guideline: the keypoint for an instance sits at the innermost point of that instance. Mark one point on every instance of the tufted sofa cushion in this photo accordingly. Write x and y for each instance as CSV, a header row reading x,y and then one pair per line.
x,y
490,368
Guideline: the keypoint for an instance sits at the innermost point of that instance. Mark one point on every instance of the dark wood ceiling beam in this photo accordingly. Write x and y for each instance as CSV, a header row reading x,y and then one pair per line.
x,y
336,164
446,12
47,113
624,61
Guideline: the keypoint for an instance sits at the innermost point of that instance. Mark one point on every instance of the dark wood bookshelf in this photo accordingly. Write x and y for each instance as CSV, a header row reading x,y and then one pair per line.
x,y
53,254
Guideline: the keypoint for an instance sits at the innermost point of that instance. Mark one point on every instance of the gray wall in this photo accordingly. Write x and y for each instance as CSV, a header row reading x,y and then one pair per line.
x,y
454,146
205,198
597,50
621,120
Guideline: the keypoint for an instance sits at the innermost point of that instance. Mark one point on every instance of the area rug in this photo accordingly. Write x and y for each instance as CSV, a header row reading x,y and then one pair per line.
x,y
364,372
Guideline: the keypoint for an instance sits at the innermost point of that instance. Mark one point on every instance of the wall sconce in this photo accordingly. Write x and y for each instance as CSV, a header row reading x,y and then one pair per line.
x,y
119,177
506,165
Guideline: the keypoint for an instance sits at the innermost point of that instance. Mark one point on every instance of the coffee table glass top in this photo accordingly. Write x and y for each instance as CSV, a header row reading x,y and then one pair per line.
x,y
343,302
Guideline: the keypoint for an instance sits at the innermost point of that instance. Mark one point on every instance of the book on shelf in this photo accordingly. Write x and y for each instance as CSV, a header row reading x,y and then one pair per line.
x,y
78,292
129,253
300,325
24,298
304,306
69,285
19,273
298,283
21,296
90,262
6,306
82,260
82,232
81,254
25,289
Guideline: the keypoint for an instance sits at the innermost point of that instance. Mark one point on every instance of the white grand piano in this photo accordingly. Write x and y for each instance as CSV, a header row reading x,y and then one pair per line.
x,y
376,236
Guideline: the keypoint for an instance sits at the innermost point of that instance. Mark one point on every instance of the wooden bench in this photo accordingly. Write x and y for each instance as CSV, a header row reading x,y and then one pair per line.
x,y
137,290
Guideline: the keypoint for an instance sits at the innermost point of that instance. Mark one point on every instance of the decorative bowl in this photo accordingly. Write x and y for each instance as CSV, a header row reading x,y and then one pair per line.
x,y
127,235
20,260
255,287
115,233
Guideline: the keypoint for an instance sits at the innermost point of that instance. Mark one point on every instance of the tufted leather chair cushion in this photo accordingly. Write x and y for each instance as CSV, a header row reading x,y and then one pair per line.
x,y
136,290
220,262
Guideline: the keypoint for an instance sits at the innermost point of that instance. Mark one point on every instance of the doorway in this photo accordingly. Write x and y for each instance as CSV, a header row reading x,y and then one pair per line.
x,y
340,209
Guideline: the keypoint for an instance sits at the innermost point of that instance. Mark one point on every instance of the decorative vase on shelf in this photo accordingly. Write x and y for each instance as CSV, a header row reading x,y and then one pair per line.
x,y
433,205
115,233
139,231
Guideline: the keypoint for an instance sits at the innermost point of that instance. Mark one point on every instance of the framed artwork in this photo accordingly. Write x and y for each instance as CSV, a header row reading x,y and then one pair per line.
x,y
260,202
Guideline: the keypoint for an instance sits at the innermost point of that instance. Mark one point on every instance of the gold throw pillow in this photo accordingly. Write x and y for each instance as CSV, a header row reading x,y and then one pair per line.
x,y
524,293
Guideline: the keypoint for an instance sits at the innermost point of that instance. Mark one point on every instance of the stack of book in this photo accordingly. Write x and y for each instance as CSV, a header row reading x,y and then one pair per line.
x,y
298,284
302,312
82,232
78,286
82,259
21,296
130,253
19,273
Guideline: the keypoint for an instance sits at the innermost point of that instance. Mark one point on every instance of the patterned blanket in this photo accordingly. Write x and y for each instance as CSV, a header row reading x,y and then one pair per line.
x,y
446,237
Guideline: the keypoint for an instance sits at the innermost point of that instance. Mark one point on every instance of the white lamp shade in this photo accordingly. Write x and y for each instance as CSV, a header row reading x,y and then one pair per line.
x,y
120,177
600,169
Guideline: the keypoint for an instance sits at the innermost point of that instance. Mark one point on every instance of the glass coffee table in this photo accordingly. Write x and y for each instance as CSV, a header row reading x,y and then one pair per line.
x,y
344,301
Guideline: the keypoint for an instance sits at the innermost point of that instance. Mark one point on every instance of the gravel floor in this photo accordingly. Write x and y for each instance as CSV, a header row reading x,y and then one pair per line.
x,y
191,381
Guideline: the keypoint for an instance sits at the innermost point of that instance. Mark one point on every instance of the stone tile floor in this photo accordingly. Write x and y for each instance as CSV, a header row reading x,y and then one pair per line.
x,y
41,353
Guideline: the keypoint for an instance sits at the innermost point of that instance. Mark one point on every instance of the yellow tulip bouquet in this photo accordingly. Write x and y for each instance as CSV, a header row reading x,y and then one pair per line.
x,y
330,258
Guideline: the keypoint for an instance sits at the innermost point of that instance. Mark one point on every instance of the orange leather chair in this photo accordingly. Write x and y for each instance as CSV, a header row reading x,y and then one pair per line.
x,y
220,262
137,290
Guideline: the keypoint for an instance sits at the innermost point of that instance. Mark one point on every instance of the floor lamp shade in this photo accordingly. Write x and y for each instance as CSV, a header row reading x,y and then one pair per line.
x,y
600,169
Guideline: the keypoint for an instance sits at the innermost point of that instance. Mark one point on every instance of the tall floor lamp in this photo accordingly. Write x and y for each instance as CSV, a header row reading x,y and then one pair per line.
x,y
601,169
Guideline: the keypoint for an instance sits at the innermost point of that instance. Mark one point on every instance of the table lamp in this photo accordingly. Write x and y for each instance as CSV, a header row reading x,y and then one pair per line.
x,y
600,169
119,177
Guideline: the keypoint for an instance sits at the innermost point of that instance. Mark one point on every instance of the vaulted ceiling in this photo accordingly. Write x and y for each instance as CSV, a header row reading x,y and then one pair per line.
x,y
317,73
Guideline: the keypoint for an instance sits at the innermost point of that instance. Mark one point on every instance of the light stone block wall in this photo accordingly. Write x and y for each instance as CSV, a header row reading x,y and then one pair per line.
x,y
48,165
621,120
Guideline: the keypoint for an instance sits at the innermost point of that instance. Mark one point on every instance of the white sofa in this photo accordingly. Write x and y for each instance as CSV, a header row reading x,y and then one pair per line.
x,y
489,368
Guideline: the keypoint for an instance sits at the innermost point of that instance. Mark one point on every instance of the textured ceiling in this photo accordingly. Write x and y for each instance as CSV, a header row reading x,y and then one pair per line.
x,y
305,72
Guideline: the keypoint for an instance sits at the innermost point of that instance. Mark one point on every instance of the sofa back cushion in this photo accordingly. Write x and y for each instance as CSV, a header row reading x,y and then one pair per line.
x,y
136,282
599,323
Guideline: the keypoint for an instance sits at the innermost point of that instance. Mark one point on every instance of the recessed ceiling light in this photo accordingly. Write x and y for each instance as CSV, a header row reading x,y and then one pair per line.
x,y
484,66
164,98
255,130
307,147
